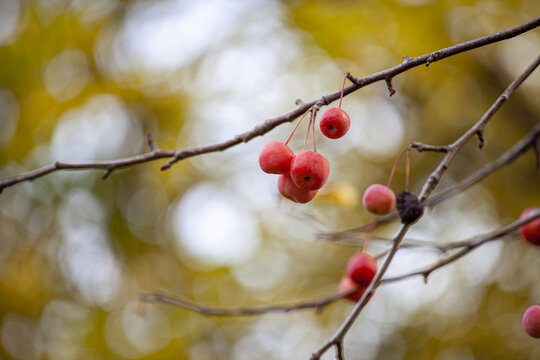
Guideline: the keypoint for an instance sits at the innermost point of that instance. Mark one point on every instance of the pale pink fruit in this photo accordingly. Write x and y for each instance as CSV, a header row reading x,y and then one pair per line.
x,y
379,199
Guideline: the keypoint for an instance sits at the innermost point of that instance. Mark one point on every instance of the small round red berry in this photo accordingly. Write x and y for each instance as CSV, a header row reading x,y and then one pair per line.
x,y
346,285
361,268
309,170
531,230
275,157
531,321
289,190
334,123
379,199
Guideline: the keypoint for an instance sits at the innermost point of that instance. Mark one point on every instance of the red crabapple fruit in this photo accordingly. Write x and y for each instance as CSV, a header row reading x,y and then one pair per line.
x,y
275,157
361,268
289,190
309,170
334,123
346,284
379,199
531,321
531,230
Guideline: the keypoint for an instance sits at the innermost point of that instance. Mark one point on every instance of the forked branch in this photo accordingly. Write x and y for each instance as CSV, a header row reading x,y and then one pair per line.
x,y
431,183
176,155
506,158
463,247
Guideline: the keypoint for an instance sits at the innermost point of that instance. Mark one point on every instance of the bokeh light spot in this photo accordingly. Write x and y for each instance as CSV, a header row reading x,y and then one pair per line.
x,y
212,225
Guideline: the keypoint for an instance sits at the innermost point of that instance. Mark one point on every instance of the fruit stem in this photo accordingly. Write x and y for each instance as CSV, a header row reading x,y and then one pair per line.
x,y
342,87
313,130
295,126
407,167
395,166
367,237
308,130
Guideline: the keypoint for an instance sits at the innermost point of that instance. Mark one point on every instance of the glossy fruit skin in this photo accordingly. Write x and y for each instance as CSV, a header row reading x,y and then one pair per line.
x,y
379,199
531,321
346,284
334,123
309,170
531,230
290,191
361,268
275,157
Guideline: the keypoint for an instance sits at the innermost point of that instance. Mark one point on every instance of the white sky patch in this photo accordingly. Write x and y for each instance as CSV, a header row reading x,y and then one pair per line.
x,y
9,116
66,74
100,129
147,330
290,336
377,128
18,335
85,256
170,34
10,12
90,264
63,327
211,224
410,295
263,271
136,331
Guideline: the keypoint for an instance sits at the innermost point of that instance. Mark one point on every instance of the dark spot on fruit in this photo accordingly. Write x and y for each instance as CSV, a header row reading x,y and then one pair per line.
x,y
307,178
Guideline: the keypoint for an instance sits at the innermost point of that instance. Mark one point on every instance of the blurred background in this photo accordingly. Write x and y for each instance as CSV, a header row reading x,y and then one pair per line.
x,y
84,79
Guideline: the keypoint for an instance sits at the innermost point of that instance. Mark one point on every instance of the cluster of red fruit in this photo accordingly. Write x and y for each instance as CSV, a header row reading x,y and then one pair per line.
x,y
531,233
303,174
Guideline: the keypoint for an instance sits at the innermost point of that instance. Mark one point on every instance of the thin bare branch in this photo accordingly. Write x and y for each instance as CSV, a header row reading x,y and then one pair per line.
x,y
269,124
150,141
339,351
466,247
537,154
109,166
243,311
339,335
391,90
429,186
507,157
436,175
421,147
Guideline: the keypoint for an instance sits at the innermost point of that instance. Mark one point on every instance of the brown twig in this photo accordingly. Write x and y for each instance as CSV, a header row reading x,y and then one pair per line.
x,y
150,141
435,176
429,186
537,154
466,246
391,90
269,124
507,157
421,147
242,311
